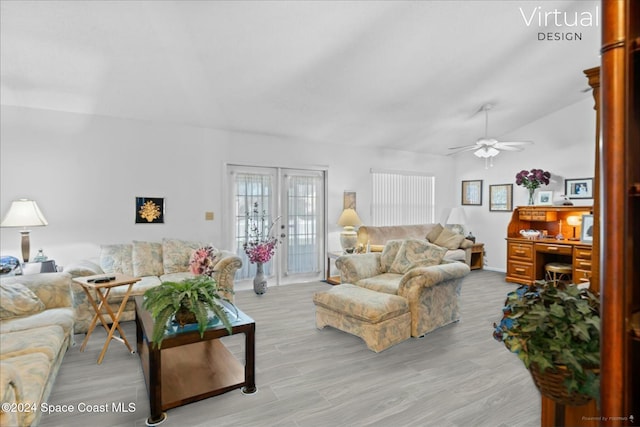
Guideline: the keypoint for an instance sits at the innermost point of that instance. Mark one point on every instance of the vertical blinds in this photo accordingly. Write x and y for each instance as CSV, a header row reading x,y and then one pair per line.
x,y
402,198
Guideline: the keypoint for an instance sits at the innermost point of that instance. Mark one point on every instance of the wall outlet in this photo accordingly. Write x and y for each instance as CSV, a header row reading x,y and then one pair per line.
x,y
208,216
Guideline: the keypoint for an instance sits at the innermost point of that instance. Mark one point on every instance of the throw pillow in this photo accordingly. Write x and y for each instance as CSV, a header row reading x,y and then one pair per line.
x,y
147,259
434,233
18,300
448,239
389,254
116,259
177,253
417,253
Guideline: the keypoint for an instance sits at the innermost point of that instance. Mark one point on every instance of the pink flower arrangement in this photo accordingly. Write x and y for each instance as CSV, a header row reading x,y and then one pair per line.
x,y
203,260
260,246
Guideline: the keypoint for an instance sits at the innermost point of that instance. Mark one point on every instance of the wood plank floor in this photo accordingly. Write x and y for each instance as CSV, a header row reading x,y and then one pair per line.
x,y
455,376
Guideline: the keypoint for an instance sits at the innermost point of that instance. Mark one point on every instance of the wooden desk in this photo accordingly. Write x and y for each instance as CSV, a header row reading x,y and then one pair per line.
x,y
526,258
102,291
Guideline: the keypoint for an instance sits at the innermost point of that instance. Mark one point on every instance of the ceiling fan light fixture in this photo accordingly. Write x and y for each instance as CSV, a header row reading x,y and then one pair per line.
x,y
486,152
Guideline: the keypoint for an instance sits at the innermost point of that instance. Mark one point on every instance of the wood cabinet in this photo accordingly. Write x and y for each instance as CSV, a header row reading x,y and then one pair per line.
x,y
620,201
582,264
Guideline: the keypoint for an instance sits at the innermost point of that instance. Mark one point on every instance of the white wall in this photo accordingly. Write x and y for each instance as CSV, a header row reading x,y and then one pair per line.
x,y
564,145
85,172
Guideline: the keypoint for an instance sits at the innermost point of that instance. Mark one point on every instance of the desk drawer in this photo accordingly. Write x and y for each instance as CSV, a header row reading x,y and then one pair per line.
x,y
553,249
581,276
523,251
520,270
582,253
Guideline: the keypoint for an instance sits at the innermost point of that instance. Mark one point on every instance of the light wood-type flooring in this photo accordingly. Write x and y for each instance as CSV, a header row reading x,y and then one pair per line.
x,y
455,376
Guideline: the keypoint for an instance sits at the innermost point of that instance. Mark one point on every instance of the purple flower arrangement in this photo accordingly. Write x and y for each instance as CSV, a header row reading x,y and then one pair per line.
x,y
260,246
203,260
532,179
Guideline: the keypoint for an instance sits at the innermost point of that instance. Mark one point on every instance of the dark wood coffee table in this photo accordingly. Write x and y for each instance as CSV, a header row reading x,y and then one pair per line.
x,y
188,368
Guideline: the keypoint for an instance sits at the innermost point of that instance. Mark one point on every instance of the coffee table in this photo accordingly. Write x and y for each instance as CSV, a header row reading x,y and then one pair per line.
x,y
188,368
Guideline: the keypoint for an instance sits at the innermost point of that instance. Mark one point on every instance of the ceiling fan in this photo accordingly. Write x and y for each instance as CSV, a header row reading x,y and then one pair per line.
x,y
487,147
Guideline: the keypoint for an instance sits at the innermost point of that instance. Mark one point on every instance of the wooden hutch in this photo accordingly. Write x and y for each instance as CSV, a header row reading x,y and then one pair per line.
x,y
526,257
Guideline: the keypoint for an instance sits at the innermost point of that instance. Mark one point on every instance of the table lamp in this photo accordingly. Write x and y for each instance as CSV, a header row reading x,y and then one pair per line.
x,y
349,219
456,220
574,221
24,213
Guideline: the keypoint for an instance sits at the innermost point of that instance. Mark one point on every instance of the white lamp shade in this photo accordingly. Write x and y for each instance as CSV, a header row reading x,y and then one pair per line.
x,y
486,152
24,213
349,218
457,216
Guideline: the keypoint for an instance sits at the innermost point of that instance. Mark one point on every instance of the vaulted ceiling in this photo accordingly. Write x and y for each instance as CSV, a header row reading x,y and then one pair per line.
x,y
398,74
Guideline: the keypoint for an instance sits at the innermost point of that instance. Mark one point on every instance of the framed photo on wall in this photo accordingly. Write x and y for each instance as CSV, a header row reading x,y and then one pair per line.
x,y
501,198
579,188
545,198
472,192
349,200
587,228
149,210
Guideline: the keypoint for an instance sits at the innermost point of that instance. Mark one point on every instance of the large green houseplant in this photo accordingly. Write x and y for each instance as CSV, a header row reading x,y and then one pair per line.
x,y
555,331
188,301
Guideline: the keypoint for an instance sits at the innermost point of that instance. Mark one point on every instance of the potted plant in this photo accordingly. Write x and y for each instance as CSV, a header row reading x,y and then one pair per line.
x,y
188,301
555,331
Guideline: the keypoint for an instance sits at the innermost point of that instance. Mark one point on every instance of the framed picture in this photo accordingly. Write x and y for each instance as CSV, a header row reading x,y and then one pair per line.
x,y
149,210
545,198
587,228
472,192
501,198
579,188
349,200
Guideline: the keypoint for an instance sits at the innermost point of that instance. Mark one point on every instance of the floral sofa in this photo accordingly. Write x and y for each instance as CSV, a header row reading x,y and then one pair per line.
x,y
36,328
413,269
154,262
458,248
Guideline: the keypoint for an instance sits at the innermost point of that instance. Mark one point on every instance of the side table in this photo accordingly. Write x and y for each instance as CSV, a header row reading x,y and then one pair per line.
x,y
332,280
102,291
477,256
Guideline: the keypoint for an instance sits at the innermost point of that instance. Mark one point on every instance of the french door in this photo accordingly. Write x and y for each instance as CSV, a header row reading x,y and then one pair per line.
x,y
294,201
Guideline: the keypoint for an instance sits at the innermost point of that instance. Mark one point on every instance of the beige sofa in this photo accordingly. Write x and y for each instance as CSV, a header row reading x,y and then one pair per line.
x,y
153,262
36,328
458,248
386,297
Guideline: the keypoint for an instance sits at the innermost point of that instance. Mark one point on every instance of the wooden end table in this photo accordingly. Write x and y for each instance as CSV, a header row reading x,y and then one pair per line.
x,y
477,256
332,280
102,290
187,368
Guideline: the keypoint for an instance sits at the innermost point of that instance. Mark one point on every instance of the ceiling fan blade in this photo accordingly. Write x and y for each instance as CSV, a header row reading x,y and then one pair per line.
x,y
464,149
462,146
514,142
508,148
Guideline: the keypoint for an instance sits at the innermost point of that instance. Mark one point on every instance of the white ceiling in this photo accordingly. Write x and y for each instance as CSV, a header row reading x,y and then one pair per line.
x,y
405,75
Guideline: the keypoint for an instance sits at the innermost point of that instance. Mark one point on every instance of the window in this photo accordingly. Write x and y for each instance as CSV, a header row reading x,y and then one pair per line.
x,y
402,198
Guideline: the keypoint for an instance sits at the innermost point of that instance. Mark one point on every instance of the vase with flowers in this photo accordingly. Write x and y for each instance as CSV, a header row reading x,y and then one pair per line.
x,y
531,180
260,245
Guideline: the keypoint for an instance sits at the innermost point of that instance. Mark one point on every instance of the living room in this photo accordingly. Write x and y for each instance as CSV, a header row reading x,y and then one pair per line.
x,y
100,106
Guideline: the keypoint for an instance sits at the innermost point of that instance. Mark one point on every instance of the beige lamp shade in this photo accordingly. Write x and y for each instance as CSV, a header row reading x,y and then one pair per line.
x,y
574,221
24,213
349,219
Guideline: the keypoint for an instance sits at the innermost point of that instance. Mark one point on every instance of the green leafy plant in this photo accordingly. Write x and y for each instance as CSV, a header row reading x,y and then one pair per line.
x,y
197,295
555,326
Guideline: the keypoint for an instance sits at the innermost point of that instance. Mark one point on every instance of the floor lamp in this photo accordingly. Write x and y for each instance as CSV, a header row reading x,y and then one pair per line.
x,y
24,213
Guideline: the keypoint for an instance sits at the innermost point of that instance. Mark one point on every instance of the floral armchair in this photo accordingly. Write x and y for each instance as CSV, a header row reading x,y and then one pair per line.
x,y
413,269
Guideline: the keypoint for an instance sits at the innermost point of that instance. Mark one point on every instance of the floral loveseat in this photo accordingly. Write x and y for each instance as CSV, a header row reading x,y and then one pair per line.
x,y
458,248
154,262
415,270
36,328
